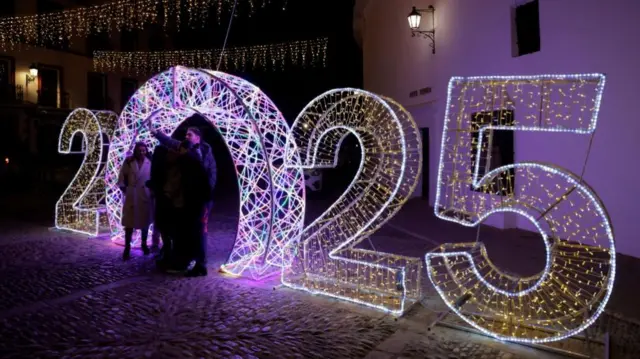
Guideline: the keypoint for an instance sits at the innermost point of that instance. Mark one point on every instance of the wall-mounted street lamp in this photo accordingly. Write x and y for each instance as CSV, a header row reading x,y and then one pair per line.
x,y
30,77
415,16
33,73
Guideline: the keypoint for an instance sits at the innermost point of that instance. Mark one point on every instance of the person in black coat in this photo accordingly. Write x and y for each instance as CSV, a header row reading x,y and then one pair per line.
x,y
194,138
196,194
162,217
181,182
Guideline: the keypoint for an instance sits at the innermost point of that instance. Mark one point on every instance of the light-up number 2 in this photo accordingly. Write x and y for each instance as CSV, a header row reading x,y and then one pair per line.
x,y
329,258
574,286
82,207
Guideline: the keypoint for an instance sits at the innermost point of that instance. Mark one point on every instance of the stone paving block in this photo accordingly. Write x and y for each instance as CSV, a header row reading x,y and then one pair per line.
x,y
378,355
63,296
396,343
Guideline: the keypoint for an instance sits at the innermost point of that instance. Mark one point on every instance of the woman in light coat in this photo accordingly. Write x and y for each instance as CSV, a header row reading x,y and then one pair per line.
x,y
137,212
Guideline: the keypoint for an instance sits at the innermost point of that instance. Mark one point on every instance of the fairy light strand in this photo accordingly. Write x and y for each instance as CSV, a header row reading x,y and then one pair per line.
x,y
255,132
305,53
328,259
81,207
61,26
573,288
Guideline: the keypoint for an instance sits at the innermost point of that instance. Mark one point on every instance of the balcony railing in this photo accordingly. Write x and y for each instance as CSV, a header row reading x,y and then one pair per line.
x,y
54,98
11,94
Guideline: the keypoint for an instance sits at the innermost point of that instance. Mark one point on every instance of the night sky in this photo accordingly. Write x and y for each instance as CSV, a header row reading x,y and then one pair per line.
x,y
294,87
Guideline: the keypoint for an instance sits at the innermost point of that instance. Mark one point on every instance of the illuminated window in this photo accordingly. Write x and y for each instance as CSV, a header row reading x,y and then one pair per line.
x,y
527,28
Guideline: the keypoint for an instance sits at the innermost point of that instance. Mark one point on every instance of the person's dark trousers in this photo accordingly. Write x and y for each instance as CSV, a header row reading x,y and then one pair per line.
x,y
128,238
175,242
163,222
181,238
201,252
198,234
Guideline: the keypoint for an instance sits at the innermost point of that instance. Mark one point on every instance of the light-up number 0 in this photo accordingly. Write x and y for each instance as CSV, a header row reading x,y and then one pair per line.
x,y
82,208
575,284
329,258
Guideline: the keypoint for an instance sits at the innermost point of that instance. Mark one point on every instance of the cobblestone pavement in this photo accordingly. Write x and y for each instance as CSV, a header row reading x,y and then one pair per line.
x,y
67,296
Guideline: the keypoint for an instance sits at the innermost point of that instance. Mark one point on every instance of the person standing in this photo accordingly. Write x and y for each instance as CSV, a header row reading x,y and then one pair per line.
x,y
137,211
194,137
162,215
177,255
196,193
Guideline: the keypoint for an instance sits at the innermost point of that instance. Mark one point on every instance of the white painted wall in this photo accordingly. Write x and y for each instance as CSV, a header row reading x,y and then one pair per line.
x,y
475,38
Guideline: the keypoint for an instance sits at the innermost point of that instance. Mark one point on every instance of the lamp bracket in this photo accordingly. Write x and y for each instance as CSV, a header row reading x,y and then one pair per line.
x,y
431,35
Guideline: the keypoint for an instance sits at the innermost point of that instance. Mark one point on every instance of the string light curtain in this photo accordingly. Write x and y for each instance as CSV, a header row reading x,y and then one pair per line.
x,y
59,27
303,53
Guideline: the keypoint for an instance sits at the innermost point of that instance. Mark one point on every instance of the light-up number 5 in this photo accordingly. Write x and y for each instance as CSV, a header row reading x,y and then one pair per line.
x,y
329,257
82,207
573,288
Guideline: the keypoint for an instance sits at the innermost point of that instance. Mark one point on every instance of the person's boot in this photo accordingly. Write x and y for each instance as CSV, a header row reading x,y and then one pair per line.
x,y
199,270
155,241
144,246
126,255
178,265
160,254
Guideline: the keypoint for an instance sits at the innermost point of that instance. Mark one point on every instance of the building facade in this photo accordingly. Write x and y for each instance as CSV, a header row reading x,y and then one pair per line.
x,y
476,38
33,108
65,70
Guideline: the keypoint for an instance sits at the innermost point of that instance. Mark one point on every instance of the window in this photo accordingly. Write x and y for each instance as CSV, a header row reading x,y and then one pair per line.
x,y
5,70
127,88
98,41
128,40
156,38
96,91
7,8
7,79
527,28
49,85
501,150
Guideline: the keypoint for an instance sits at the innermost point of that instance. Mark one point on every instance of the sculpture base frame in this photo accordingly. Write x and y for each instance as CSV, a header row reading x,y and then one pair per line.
x,y
580,346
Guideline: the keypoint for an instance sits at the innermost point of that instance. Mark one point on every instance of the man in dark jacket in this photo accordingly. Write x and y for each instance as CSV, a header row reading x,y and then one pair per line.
x,y
194,137
166,183
196,194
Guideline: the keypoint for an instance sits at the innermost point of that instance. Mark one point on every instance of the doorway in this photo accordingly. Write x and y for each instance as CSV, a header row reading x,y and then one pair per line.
x,y
96,91
424,131
7,78
48,85
127,88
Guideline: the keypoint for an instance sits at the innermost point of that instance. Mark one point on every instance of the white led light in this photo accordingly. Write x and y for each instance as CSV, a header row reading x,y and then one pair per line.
x,y
572,290
271,195
328,259
81,207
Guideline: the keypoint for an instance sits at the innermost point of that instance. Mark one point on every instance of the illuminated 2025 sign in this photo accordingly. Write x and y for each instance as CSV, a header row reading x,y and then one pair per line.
x,y
330,256
574,286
